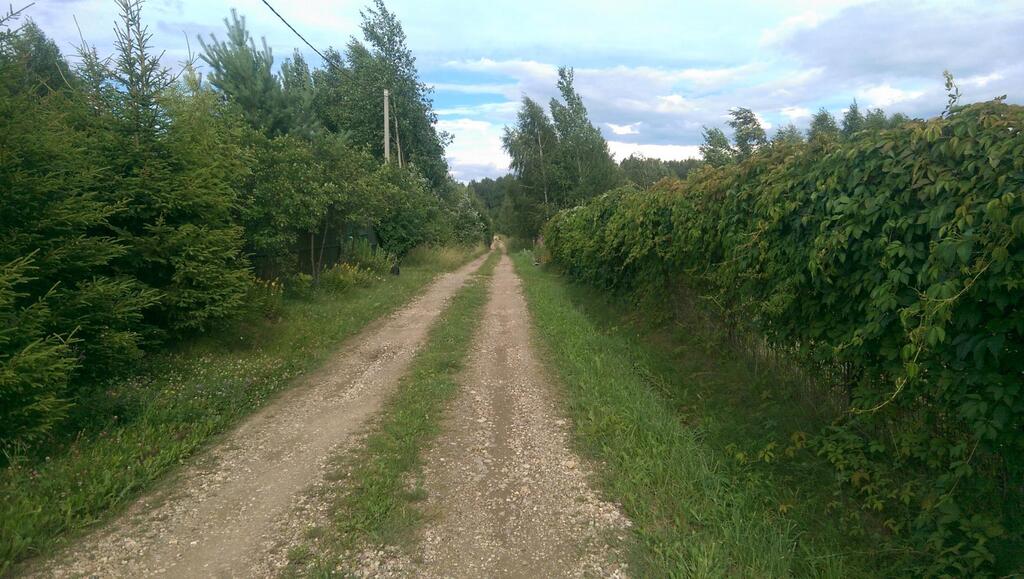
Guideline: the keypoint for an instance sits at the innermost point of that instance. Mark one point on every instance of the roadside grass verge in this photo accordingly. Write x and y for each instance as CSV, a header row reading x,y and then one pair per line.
x,y
690,445
178,401
372,500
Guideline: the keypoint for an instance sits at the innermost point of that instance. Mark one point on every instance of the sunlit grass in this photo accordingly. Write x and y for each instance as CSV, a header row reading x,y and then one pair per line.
x,y
696,513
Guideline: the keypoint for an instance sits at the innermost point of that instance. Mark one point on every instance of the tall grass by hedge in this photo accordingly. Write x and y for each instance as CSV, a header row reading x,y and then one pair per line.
x,y
893,265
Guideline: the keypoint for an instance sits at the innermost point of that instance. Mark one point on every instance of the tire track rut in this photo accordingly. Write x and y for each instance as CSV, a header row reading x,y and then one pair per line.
x,y
229,513
510,496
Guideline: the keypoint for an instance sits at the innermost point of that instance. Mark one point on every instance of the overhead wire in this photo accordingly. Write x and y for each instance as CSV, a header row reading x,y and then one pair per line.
x,y
301,37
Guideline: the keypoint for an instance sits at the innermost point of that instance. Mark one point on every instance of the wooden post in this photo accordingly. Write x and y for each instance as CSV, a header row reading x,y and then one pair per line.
x,y
387,130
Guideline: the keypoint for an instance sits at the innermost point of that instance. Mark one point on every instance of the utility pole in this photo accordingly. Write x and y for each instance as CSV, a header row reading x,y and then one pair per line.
x,y
387,130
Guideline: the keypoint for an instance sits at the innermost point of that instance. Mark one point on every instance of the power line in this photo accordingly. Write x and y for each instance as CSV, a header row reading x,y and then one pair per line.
x,y
303,38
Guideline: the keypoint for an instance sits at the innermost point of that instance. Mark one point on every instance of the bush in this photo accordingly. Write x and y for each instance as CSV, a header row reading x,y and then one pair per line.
x,y
35,365
375,259
446,258
299,285
344,276
266,298
894,265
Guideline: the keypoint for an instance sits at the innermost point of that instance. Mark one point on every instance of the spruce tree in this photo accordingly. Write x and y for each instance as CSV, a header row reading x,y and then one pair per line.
x,y
853,121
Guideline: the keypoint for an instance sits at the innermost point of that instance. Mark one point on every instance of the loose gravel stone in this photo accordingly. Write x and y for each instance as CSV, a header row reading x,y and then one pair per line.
x,y
506,494
232,512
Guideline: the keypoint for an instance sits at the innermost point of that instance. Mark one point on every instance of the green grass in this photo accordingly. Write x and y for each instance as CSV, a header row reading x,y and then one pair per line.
x,y
177,402
374,502
694,447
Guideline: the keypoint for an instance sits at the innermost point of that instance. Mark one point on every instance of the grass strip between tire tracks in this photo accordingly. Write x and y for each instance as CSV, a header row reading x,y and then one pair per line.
x,y
374,504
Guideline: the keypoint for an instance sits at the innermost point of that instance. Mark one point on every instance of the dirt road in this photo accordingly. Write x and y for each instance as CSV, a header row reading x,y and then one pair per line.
x,y
230,512
510,497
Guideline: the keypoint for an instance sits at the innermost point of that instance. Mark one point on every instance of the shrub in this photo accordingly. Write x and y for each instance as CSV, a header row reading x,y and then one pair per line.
x,y
446,257
375,259
35,365
299,285
344,276
266,298
894,263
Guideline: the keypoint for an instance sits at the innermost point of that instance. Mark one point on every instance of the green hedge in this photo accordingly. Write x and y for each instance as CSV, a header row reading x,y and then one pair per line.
x,y
898,257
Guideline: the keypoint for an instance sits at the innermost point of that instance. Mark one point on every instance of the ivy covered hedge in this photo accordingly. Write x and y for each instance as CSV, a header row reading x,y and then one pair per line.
x,y
898,256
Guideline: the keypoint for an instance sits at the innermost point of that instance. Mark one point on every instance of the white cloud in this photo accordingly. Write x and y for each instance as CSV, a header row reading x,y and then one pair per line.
x,y
629,129
884,95
621,150
794,113
483,88
513,68
821,10
981,81
674,103
476,149
790,25
704,77
504,110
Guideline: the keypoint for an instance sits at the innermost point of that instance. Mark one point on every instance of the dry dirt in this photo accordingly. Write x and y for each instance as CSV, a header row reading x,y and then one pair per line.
x,y
507,496
231,512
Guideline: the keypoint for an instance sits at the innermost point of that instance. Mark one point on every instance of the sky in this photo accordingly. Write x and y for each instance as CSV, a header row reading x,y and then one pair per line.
x,y
651,73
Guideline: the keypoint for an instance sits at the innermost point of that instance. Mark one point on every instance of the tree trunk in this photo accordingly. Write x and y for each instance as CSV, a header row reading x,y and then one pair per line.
x,y
312,256
543,169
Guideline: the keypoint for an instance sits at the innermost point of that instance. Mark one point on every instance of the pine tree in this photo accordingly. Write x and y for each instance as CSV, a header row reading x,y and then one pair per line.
x,y
244,73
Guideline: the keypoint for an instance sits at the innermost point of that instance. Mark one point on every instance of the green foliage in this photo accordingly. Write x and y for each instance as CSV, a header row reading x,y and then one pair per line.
x,y
853,121
716,150
350,98
178,401
891,265
131,200
788,134
413,212
360,253
70,315
345,276
823,127
583,165
644,172
239,69
558,161
748,134
35,365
